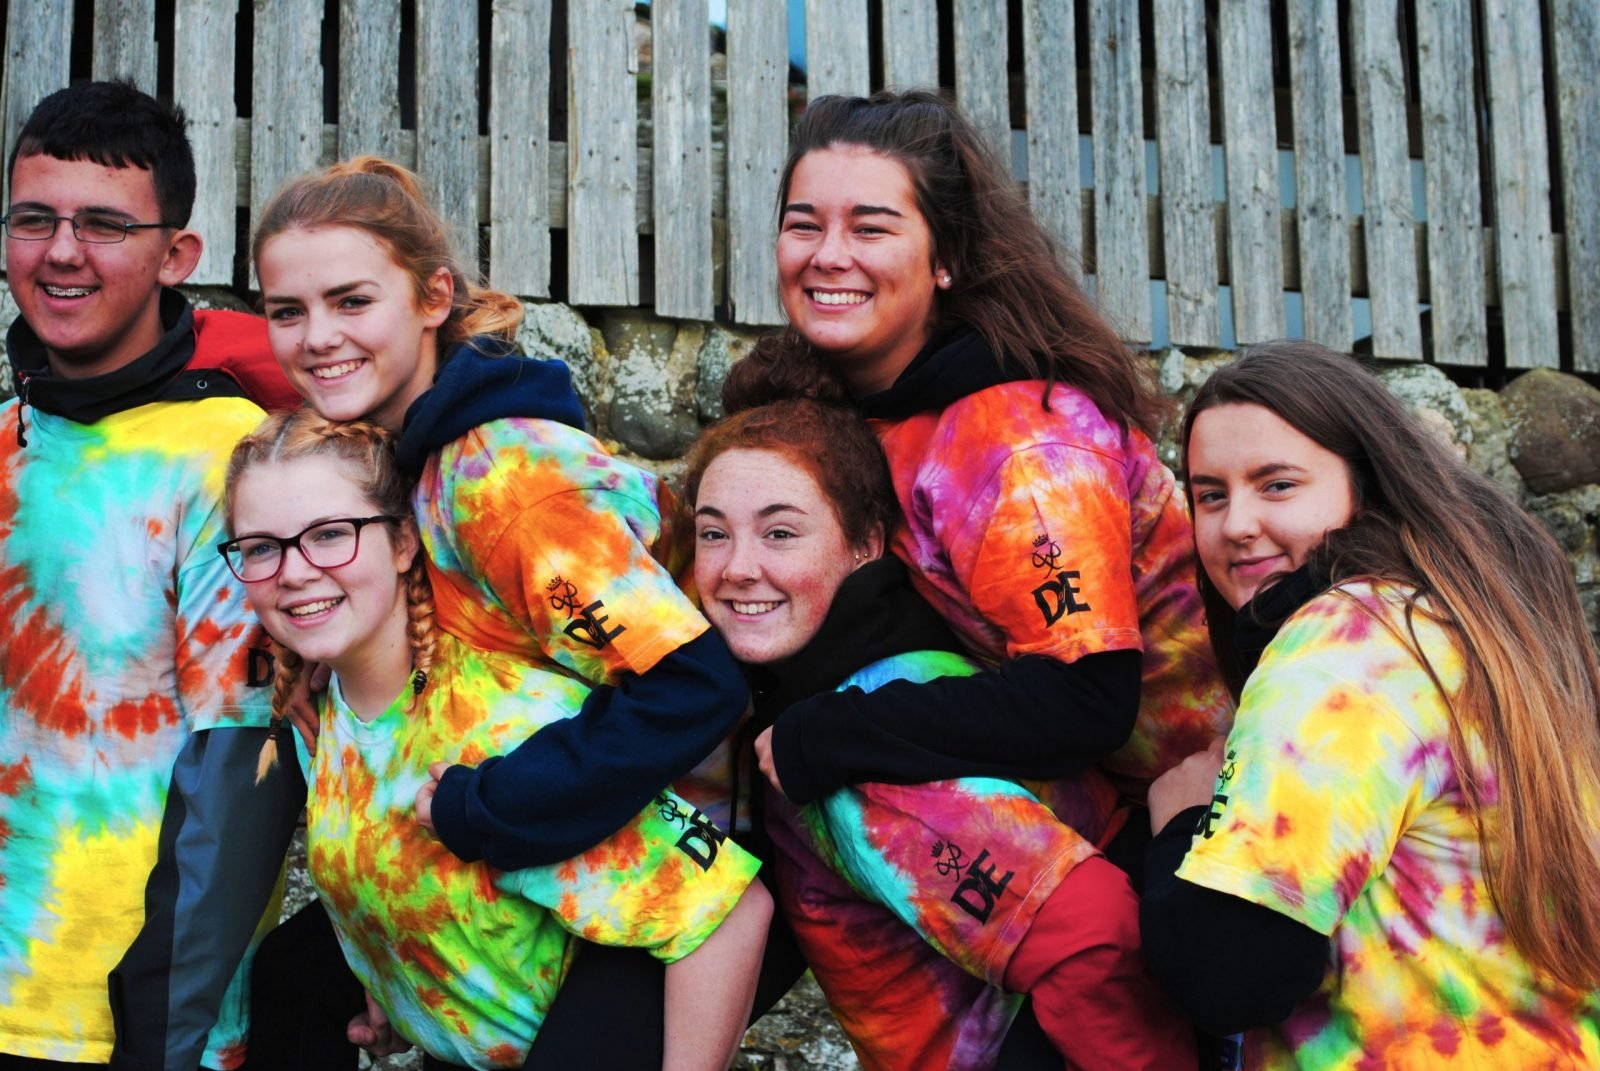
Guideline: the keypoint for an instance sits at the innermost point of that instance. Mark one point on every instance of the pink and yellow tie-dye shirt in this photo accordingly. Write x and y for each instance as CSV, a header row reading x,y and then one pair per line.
x,y
1056,532
1341,807
466,959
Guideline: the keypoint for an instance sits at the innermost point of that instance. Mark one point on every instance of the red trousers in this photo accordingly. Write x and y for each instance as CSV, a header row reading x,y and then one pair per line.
x,y
1080,964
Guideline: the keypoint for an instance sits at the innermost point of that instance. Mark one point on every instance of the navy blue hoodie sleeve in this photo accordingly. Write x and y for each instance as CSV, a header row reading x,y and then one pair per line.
x,y
577,781
1031,717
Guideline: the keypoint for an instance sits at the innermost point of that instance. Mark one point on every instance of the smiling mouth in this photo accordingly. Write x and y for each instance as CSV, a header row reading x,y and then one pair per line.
x,y
334,371
850,297
753,608
67,291
311,609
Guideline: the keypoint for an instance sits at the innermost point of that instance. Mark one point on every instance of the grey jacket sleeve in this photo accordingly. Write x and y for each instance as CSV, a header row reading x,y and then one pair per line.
x,y
222,845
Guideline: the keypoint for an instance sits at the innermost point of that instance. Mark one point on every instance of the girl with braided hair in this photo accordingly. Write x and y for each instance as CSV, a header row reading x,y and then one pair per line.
x,y
464,959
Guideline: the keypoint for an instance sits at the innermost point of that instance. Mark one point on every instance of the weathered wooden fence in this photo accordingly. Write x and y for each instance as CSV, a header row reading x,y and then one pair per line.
x,y
1495,250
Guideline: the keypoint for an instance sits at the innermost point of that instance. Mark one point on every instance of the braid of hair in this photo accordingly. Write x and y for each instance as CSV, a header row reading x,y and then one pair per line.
x,y
420,626
290,668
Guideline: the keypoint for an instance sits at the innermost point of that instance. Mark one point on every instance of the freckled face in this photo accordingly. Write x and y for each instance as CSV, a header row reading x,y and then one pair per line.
x,y
345,325
1265,497
346,616
770,553
856,268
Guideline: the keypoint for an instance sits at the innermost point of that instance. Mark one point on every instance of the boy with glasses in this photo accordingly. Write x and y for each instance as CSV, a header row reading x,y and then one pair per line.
x,y
134,841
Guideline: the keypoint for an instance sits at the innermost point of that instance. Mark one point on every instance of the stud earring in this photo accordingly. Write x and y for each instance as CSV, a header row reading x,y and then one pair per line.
x,y
944,279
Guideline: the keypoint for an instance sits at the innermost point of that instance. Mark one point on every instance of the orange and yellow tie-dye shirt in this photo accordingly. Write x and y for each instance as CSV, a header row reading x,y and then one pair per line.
x,y
540,543
464,958
1340,806
1056,532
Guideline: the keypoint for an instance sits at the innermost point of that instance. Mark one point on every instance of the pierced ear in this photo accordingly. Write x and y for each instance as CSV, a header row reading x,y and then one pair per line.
x,y
180,258
942,277
441,296
870,550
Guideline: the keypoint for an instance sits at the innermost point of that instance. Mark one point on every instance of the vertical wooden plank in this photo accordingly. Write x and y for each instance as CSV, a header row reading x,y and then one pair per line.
x,y
1518,142
1050,84
369,78
519,147
125,42
1183,115
1450,169
204,32
681,105
1320,203
1576,25
1387,220
602,155
758,133
1250,144
836,48
38,46
910,44
1122,257
447,117
981,90
286,96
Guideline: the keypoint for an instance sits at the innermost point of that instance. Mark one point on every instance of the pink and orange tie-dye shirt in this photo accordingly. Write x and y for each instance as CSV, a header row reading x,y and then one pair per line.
x,y
464,958
1341,807
1056,532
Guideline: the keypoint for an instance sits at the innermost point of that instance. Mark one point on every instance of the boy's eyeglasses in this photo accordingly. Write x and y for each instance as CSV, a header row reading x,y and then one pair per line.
x,y
31,226
325,545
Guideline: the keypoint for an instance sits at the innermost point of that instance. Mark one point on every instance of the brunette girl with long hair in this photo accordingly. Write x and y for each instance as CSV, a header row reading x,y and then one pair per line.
x,y
1038,520
1408,796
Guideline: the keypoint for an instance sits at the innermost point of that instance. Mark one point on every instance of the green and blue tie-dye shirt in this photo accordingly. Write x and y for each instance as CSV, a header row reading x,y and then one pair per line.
x,y
121,632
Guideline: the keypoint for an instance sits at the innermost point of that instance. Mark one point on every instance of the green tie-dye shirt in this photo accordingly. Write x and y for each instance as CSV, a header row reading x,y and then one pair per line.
x,y
121,633
464,958
1340,805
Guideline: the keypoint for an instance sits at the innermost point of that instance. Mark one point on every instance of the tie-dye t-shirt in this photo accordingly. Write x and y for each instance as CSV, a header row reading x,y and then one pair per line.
x,y
464,958
908,901
1056,532
121,632
1340,806
540,545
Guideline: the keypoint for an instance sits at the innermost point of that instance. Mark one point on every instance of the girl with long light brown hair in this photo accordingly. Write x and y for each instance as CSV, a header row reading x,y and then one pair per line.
x,y
1396,852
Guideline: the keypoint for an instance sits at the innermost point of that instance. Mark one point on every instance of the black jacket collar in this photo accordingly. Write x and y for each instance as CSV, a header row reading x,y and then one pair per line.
x,y
145,379
954,363
1257,622
875,614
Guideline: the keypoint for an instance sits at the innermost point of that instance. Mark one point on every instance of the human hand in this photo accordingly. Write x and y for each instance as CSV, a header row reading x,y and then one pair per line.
x,y
763,747
302,712
425,796
1188,784
373,1031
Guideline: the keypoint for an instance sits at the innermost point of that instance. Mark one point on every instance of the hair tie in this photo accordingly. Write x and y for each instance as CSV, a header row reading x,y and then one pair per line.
x,y
419,681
